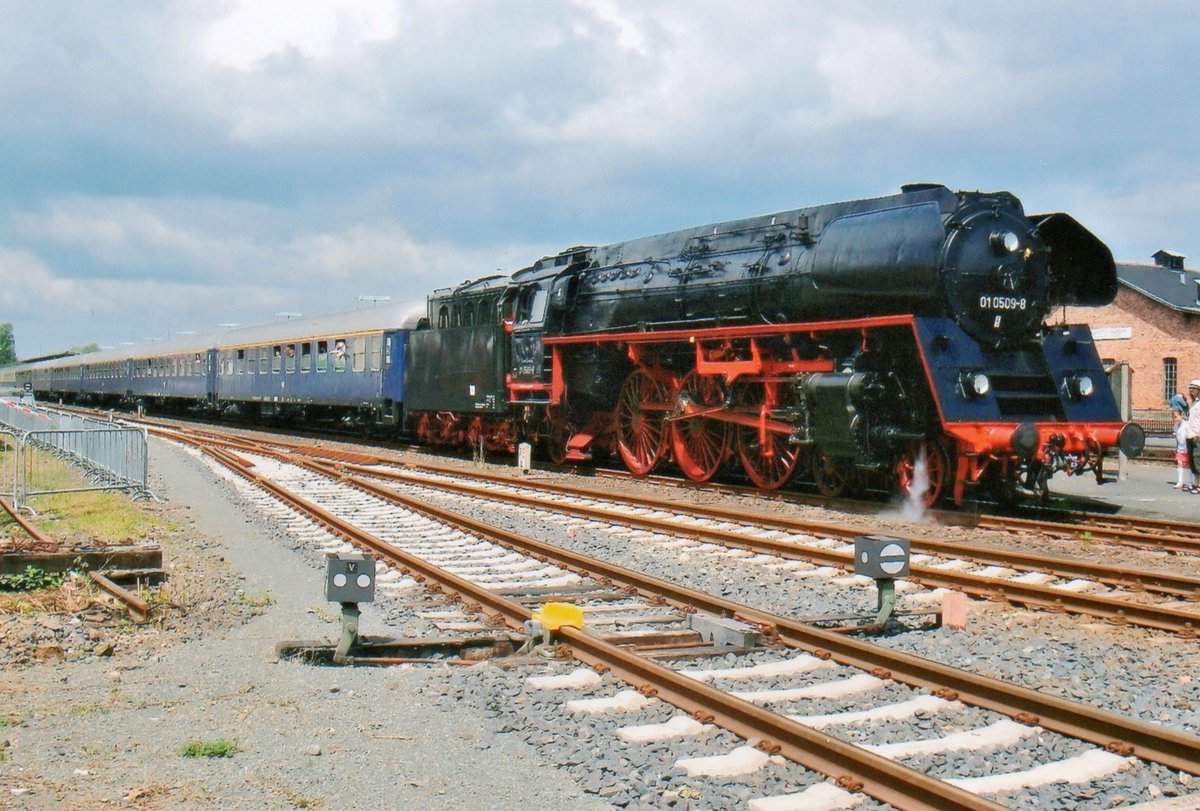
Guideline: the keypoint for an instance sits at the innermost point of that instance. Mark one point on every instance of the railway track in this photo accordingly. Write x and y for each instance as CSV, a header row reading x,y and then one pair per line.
x,y
1178,537
638,632
1150,598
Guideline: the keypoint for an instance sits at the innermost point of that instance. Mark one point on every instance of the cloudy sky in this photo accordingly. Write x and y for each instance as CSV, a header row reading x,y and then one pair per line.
x,y
174,165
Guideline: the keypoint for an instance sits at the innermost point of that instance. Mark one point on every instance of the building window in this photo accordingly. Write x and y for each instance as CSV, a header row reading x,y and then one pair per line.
x,y
1170,378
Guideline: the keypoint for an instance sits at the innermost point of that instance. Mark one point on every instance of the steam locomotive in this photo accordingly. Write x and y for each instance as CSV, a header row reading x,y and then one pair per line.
x,y
889,337
901,340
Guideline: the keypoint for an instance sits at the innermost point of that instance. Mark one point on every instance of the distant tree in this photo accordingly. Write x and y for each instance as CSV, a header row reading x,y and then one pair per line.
x,y
8,347
86,348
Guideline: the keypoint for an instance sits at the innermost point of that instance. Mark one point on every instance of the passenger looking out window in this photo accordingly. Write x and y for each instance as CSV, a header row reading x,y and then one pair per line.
x,y
339,355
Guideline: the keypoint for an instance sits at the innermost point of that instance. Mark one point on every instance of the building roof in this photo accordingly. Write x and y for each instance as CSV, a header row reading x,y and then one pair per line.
x,y
1177,289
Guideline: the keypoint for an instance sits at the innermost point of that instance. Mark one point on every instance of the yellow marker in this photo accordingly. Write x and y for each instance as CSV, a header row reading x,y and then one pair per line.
x,y
555,615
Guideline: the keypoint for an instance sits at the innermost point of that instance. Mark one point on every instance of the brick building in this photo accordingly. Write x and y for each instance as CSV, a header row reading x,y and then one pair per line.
x,y
1153,325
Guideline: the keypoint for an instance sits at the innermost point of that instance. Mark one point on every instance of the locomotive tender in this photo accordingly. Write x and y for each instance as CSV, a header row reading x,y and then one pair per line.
x,y
902,338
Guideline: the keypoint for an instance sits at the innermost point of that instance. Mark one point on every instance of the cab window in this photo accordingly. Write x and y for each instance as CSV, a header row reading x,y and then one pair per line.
x,y
531,305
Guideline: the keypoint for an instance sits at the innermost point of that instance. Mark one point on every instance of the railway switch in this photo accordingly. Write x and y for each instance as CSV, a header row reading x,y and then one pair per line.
x,y
349,580
883,559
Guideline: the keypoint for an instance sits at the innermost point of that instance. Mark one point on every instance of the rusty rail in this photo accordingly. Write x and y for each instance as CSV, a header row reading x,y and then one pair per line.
x,y
139,609
1167,535
1130,737
1161,618
859,769
1174,749
39,537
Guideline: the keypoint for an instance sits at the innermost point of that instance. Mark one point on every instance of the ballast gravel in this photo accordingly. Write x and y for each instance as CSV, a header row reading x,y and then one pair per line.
x,y
1129,671
107,732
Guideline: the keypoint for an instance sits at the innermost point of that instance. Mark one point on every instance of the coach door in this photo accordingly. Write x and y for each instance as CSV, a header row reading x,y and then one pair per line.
x,y
529,357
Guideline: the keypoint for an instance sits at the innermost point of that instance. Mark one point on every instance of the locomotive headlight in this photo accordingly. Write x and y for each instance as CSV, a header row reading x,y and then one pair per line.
x,y
974,384
1081,386
1005,242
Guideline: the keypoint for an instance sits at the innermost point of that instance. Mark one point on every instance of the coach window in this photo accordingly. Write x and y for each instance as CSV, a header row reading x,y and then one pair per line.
x,y
322,355
360,354
290,353
373,343
305,356
240,368
387,350
339,355
276,358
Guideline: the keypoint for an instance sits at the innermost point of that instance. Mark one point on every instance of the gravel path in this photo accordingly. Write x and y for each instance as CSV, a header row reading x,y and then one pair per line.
x,y
106,732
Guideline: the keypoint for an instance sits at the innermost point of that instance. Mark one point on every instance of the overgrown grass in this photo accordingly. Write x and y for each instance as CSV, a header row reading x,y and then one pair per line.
x,y
101,517
218,748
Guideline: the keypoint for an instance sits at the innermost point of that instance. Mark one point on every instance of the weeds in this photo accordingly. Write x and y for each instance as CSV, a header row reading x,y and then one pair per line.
x,y
258,599
83,710
32,579
218,748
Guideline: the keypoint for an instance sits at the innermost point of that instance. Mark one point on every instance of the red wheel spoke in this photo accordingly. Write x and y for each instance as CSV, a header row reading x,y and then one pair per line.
x,y
937,469
769,464
700,444
641,428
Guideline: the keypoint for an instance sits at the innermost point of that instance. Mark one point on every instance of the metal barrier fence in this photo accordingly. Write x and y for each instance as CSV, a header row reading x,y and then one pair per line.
x,y
36,442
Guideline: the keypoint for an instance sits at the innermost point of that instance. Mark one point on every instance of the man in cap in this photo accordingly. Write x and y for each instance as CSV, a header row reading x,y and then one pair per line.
x,y
1192,431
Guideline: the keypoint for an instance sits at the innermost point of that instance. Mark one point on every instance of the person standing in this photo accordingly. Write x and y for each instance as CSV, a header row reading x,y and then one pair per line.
x,y
1192,426
1185,480
1178,403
